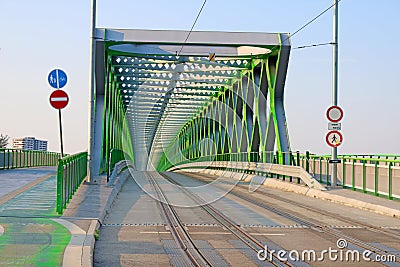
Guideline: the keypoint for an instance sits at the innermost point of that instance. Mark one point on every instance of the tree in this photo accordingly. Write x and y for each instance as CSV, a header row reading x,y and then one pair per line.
x,y
4,140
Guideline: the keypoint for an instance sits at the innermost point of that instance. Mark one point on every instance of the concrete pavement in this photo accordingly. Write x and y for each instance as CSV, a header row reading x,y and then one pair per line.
x,y
338,195
31,233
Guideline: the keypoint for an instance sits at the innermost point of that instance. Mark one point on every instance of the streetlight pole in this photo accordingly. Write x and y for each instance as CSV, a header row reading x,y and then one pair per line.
x,y
335,80
92,93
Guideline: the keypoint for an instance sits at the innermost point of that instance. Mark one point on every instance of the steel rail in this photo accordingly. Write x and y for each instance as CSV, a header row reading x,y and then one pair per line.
x,y
225,221
310,223
178,231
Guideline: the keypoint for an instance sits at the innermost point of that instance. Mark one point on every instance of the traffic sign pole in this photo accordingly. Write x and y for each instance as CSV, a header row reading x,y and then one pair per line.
x,y
335,81
59,100
61,133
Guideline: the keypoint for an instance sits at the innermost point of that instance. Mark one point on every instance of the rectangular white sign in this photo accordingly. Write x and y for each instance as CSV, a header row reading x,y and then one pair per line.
x,y
335,126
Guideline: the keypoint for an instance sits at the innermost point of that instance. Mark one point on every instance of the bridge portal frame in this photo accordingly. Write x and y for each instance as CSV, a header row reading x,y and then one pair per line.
x,y
266,78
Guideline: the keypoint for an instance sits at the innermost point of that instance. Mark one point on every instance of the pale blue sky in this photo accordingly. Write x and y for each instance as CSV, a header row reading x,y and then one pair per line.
x,y
38,36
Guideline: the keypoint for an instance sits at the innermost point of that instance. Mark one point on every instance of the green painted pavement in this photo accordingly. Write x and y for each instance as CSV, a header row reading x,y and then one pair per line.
x,y
30,237
32,242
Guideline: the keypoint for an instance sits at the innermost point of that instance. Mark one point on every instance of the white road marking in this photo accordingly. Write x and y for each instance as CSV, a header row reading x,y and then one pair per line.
x,y
265,234
155,232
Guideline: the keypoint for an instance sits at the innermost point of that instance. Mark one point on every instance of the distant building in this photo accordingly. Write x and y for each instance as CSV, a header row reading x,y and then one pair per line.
x,y
29,143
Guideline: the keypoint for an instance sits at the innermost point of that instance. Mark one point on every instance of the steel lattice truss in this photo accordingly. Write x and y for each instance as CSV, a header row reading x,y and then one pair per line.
x,y
171,104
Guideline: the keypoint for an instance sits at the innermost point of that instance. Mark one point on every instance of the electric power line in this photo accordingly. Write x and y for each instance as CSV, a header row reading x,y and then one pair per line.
x,y
191,29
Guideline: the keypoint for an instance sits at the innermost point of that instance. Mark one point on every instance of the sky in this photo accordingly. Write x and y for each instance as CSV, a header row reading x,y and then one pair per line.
x,y
38,36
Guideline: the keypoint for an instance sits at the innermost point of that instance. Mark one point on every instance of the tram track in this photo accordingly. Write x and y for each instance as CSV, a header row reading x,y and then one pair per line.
x,y
241,192
189,250
241,234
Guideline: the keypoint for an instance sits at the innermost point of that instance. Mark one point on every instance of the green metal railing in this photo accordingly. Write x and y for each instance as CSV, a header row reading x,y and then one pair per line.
x,y
16,158
372,174
286,158
71,171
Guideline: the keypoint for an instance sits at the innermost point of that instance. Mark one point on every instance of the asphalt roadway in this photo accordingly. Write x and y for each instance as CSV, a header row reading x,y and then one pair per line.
x,y
134,232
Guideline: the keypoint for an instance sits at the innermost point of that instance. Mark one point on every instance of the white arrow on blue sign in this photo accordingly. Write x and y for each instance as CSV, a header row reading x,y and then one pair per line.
x,y
57,78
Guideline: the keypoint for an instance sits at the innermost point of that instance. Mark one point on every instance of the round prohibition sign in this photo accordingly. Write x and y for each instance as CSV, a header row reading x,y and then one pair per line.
x,y
334,138
334,113
59,99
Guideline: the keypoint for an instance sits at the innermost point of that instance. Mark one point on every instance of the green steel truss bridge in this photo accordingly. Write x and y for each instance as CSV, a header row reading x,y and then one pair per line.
x,y
162,100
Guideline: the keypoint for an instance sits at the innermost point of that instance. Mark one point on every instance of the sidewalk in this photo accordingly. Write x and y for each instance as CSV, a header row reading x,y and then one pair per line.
x,y
342,196
33,234
83,216
348,197
365,201
28,235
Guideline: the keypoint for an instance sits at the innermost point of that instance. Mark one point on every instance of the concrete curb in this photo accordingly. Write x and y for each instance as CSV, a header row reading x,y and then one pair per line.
x,y
325,195
355,203
88,245
79,251
73,251
123,176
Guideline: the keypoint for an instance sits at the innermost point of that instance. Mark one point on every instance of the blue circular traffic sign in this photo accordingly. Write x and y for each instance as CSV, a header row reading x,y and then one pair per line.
x,y
57,78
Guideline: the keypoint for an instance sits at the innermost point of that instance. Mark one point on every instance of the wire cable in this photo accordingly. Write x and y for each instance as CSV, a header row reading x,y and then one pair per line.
x,y
313,45
305,25
311,21
191,29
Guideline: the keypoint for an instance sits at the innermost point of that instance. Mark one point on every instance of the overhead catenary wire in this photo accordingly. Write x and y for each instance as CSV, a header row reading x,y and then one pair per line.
x,y
313,45
191,29
289,37
308,23
314,19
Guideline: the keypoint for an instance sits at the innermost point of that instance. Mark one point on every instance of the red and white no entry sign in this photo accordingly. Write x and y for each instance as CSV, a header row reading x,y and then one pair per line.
x,y
334,138
334,114
59,99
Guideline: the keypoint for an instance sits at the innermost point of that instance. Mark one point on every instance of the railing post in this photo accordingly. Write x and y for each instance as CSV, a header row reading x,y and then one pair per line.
x,y
59,186
4,159
344,173
364,177
20,159
291,163
12,159
376,179
298,163
8,159
307,161
353,176
390,182
277,162
327,172
320,169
